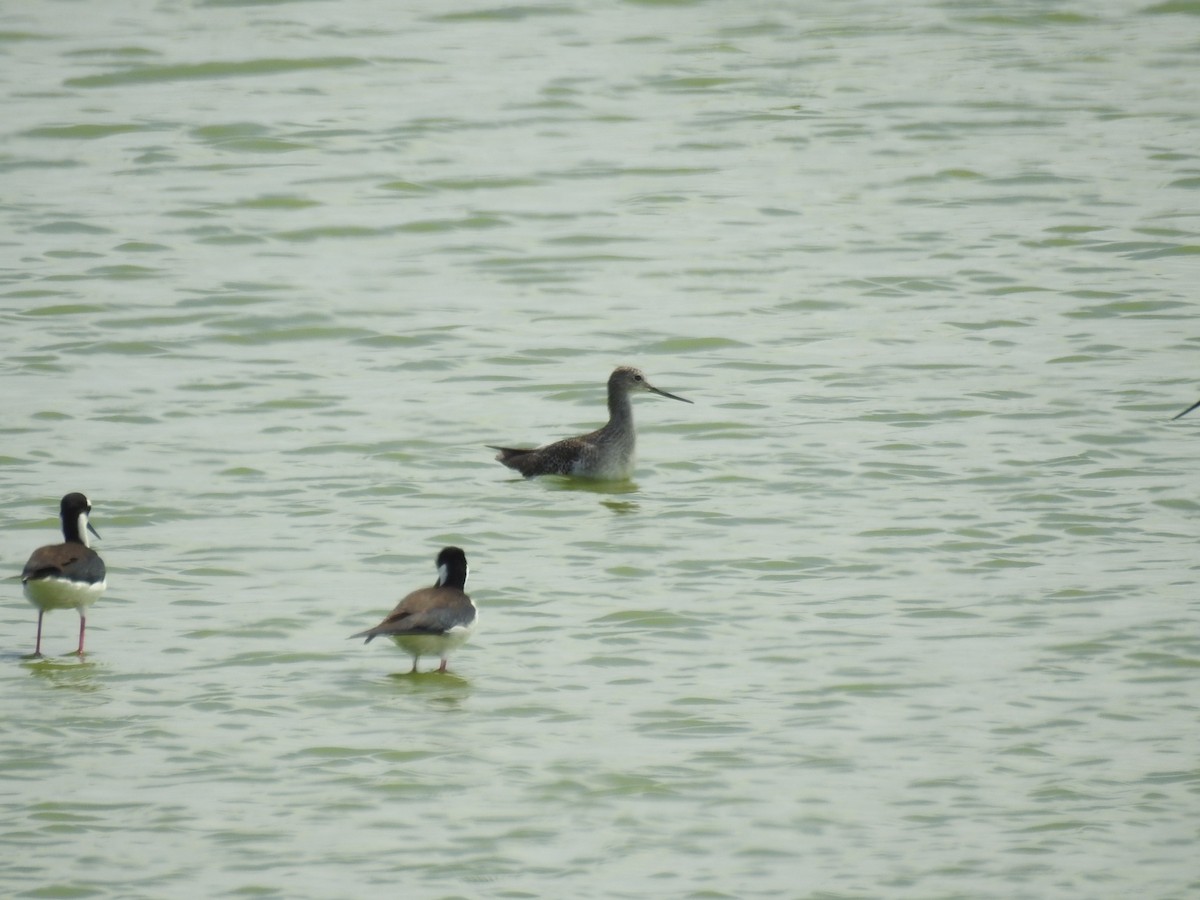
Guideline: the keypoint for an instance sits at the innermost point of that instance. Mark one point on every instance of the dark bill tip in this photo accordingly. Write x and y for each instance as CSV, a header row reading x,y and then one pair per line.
x,y
1186,411
685,400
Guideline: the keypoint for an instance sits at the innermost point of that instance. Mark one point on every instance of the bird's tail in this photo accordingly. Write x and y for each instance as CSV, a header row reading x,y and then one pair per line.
x,y
508,455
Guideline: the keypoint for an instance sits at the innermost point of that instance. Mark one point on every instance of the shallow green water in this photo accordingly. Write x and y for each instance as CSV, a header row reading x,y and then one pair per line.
x,y
901,607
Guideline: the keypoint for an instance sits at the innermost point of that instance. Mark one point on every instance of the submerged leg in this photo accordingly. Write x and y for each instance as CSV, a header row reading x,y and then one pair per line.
x,y
82,626
413,670
442,667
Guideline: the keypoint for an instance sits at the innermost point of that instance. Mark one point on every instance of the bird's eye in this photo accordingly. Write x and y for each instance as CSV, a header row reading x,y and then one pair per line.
x,y
637,377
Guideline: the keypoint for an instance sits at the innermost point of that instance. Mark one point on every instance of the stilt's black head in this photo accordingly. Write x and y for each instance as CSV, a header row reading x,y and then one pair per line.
x,y
452,568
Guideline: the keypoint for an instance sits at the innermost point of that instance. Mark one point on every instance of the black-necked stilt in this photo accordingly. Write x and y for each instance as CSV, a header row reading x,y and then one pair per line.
x,y
433,620
69,575
1186,411
605,454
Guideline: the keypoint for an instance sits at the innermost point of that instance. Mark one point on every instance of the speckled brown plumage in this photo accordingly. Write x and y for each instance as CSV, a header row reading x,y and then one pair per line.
x,y
606,454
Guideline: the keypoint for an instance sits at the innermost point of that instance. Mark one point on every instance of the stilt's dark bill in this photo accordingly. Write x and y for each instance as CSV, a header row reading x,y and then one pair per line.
x,y
69,575
432,621
606,454
1186,411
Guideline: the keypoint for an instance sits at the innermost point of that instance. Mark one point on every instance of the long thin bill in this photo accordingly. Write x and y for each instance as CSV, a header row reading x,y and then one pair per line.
x,y
1186,411
685,400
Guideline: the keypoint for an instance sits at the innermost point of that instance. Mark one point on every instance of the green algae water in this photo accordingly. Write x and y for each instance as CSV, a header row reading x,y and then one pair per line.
x,y
902,606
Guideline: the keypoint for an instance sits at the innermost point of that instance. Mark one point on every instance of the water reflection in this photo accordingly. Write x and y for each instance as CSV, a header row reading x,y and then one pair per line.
x,y
589,486
445,689
67,671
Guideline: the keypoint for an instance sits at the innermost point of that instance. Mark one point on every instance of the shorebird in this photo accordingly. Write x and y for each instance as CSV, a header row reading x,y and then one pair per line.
x,y
433,620
1186,411
605,454
69,575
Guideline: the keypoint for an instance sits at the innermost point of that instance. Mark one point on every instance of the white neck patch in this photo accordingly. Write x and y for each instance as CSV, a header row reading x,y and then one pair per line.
x,y
83,529
444,573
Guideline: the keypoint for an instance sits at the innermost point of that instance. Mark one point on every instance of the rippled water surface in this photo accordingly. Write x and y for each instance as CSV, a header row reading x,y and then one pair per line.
x,y
903,606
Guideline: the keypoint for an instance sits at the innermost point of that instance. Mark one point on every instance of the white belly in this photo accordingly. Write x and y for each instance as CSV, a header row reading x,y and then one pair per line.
x,y
59,593
434,644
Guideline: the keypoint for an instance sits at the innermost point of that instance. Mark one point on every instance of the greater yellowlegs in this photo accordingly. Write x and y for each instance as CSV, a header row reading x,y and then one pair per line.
x,y
1186,411
605,454
433,620
69,575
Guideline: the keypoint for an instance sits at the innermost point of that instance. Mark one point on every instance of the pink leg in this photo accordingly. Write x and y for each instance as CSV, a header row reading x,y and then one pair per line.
x,y
82,626
442,667
413,670
37,648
